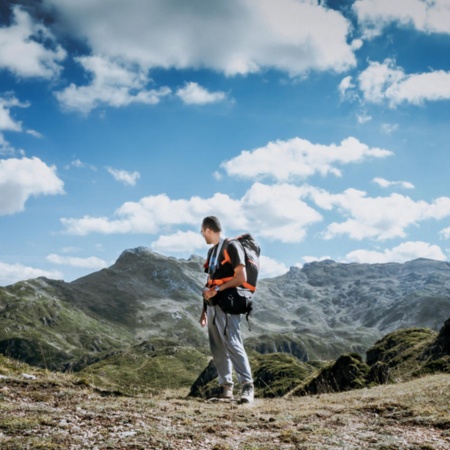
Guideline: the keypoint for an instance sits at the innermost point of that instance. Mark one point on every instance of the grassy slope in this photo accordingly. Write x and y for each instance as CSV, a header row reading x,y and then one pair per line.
x,y
47,331
55,411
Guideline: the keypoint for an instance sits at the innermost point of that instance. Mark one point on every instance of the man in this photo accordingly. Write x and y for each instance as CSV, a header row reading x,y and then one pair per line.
x,y
224,334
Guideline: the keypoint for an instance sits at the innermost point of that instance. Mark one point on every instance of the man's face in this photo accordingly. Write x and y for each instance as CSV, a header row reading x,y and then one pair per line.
x,y
206,233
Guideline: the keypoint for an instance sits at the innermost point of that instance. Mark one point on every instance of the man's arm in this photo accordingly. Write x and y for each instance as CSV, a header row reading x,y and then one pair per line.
x,y
240,277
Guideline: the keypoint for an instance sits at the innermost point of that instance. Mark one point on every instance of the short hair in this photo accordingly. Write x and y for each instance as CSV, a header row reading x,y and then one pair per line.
x,y
213,223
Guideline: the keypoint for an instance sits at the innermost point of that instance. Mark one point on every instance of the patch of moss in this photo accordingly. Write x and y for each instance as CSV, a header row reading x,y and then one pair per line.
x,y
346,373
276,374
149,367
402,351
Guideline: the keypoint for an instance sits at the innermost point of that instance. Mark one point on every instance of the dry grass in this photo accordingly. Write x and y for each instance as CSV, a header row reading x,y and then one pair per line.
x,y
53,411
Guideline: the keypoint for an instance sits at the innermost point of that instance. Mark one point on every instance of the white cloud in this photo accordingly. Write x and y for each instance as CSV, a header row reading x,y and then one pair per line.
x,y
12,273
299,158
151,214
128,178
385,82
194,94
181,242
5,147
233,37
35,134
424,15
377,217
78,164
22,178
7,123
363,118
91,262
345,85
386,184
276,212
113,83
270,268
406,251
445,233
28,49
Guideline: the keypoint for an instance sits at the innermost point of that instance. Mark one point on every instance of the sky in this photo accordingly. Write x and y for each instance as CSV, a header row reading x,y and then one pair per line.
x,y
321,127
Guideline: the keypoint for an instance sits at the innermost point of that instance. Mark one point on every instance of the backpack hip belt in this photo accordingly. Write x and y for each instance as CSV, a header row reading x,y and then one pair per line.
x,y
220,281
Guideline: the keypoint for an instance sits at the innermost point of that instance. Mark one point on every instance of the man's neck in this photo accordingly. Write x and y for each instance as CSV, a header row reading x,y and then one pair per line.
x,y
215,238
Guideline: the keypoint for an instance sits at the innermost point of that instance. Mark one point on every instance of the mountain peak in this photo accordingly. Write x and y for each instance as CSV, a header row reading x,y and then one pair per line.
x,y
141,250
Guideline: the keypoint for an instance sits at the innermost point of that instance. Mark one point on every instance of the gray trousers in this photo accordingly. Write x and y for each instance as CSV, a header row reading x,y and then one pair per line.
x,y
226,346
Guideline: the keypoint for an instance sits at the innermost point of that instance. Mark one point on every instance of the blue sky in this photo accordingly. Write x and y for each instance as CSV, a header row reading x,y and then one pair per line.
x,y
322,127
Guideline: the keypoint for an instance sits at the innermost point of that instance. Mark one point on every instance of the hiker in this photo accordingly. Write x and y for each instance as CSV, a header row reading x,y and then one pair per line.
x,y
225,280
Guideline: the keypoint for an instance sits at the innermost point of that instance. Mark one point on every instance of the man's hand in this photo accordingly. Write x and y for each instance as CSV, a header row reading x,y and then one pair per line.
x,y
203,320
209,293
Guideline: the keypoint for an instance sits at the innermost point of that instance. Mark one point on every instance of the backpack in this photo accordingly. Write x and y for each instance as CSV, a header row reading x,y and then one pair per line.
x,y
232,302
252,252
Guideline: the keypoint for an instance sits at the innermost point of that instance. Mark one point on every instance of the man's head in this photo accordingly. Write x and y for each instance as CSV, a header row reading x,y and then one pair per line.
x,y
211,229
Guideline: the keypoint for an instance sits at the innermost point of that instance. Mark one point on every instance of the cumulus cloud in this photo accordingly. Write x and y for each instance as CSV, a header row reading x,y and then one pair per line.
x,y
123,176
270,267
91,262
275,212
423,15
278,212
151,214
12,273
406,251
386,183
299,158
232,37
39,54
22,178
445,233
377,217
387,83
181,242
194,94
113,83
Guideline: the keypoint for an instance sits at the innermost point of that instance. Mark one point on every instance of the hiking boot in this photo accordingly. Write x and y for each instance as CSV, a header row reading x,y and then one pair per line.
x,y
247,393
225,392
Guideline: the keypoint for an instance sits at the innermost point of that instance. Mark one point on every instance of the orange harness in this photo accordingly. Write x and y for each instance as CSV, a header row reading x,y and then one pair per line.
x,y
220,281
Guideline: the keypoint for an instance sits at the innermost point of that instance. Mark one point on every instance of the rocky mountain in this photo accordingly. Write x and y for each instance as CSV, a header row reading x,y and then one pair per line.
x,y
328,308
145,308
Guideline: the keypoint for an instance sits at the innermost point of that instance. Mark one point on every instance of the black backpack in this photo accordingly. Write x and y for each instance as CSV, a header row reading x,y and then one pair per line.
x,y
252,252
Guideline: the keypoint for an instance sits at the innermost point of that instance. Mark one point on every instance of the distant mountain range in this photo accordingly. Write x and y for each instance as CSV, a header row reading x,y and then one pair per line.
x,y
146,306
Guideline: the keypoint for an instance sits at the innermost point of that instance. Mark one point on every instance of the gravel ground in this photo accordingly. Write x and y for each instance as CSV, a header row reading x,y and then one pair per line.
x,y
51,411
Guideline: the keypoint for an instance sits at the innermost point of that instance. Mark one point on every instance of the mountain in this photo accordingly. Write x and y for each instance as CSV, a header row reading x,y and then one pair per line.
x,y
328,308
143,312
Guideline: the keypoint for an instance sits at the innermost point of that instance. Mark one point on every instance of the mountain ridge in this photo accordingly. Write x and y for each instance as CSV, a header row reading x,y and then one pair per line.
x,y
146,300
